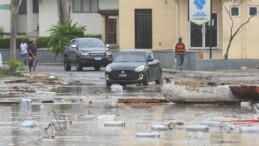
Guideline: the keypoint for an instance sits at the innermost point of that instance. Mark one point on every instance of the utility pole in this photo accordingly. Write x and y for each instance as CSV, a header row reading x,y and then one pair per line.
x,y
14,9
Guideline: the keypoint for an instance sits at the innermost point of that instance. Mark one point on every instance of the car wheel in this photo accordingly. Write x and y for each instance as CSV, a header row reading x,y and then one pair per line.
x,y
67,66
97,68
145,83
79,66
108,84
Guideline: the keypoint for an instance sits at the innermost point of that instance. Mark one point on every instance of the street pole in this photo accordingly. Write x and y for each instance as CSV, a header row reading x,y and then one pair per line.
x,y
210,39
14,7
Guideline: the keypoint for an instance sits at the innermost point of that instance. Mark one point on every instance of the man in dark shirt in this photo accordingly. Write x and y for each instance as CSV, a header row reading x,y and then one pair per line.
x,y
32,51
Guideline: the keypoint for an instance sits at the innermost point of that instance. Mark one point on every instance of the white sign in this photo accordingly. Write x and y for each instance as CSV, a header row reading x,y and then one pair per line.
x,y
199,11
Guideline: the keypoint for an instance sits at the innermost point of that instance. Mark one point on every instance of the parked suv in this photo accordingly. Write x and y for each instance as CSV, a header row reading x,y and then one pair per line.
x,y
85,52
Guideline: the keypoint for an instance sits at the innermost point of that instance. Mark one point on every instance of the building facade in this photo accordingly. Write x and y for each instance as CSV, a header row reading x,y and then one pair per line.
x,y
148,24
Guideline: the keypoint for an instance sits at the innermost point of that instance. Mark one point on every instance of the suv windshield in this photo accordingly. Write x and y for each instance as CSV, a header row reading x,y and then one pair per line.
x,y
129,57
90,43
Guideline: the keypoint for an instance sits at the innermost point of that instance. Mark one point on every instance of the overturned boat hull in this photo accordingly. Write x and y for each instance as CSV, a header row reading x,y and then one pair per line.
x,y
193,94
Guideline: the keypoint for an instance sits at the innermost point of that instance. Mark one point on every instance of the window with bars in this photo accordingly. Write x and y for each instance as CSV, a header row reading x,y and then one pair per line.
x,y
85,6
253,10
23,8
235,11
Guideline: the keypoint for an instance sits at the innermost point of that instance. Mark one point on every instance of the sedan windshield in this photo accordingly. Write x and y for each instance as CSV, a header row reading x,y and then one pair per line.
x,y
90,43
129,57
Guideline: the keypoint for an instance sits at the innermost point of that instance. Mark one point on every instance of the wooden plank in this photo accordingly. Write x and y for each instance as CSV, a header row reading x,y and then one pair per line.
x,y
142,101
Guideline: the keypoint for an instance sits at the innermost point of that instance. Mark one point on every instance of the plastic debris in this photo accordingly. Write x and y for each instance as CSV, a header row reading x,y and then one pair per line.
x,y
29,124
25,105
229,128
210,123
47,101
151,135
159,127
197,128
101,119
173,125
249,129
114,123
52,77
116,88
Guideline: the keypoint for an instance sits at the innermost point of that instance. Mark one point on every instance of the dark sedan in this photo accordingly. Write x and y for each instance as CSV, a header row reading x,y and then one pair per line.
x,y
133,66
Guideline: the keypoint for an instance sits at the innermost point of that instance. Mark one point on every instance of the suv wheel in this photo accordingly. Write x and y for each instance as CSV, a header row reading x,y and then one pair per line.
x,y
79,66
67,66
97,68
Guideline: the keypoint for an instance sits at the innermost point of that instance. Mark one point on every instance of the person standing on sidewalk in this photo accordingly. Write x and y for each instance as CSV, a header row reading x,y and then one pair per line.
x,y
180,53
32,51
24,52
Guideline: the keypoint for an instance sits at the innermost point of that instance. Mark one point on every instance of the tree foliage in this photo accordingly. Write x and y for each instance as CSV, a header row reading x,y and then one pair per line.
x,y
62,33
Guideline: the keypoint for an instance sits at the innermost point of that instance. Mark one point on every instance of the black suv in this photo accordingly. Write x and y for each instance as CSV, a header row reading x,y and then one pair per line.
x,y
85,52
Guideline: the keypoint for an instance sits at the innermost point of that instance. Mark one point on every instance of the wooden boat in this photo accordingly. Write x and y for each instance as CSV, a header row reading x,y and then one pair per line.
x,y
197,93
246,93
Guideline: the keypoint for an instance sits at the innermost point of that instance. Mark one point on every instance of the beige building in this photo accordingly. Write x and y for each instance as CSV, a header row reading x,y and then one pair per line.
x,y
157,24
149,24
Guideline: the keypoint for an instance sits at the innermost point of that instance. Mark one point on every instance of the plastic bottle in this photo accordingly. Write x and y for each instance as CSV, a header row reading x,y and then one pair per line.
x,y
197,129
25,105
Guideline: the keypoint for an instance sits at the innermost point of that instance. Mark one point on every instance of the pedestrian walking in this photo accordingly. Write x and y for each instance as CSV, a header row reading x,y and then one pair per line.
x,y
32,51
24,52
180,53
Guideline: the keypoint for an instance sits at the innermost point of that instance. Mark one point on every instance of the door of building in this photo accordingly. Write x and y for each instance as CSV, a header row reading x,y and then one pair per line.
x,y
200,35
143,28
111,30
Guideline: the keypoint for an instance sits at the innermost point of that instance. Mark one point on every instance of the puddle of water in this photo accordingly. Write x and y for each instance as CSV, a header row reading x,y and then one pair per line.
x,y
103,90
84,129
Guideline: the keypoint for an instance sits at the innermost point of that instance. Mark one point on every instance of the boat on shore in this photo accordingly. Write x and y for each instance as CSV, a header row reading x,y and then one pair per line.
x,y
183,92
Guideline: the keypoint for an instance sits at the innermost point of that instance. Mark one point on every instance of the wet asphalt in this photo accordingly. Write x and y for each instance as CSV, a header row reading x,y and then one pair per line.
x,y
83,99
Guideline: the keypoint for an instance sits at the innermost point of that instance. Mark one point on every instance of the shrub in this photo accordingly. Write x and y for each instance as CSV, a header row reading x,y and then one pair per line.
x,y
62,33
42,42
15,66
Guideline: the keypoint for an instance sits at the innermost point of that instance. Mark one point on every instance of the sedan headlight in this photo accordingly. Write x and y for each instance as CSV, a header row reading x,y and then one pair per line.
x,y
85,53
140,68
108,69
108,53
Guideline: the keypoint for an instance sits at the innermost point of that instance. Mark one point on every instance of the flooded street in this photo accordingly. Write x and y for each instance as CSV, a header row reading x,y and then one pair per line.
x,y
86,112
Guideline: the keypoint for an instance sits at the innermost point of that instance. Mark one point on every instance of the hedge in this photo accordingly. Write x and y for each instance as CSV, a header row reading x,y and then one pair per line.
x,y
42,42
5,42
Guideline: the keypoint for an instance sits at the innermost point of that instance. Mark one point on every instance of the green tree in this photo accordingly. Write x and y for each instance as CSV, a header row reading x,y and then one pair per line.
x,y
233,28
62,33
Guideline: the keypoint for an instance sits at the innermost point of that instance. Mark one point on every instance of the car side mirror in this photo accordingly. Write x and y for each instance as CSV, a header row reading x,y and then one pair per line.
x,y
73,46
150,59
107,45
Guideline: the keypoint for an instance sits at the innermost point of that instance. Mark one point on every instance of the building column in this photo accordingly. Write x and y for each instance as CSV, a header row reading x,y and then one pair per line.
x,y
30,22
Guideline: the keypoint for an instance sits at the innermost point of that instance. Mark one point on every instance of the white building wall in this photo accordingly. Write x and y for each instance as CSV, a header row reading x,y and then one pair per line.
x,y
108,4
5,16
48,16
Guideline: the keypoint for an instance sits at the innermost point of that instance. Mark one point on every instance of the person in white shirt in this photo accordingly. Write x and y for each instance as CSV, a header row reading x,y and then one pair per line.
x,y
24,52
